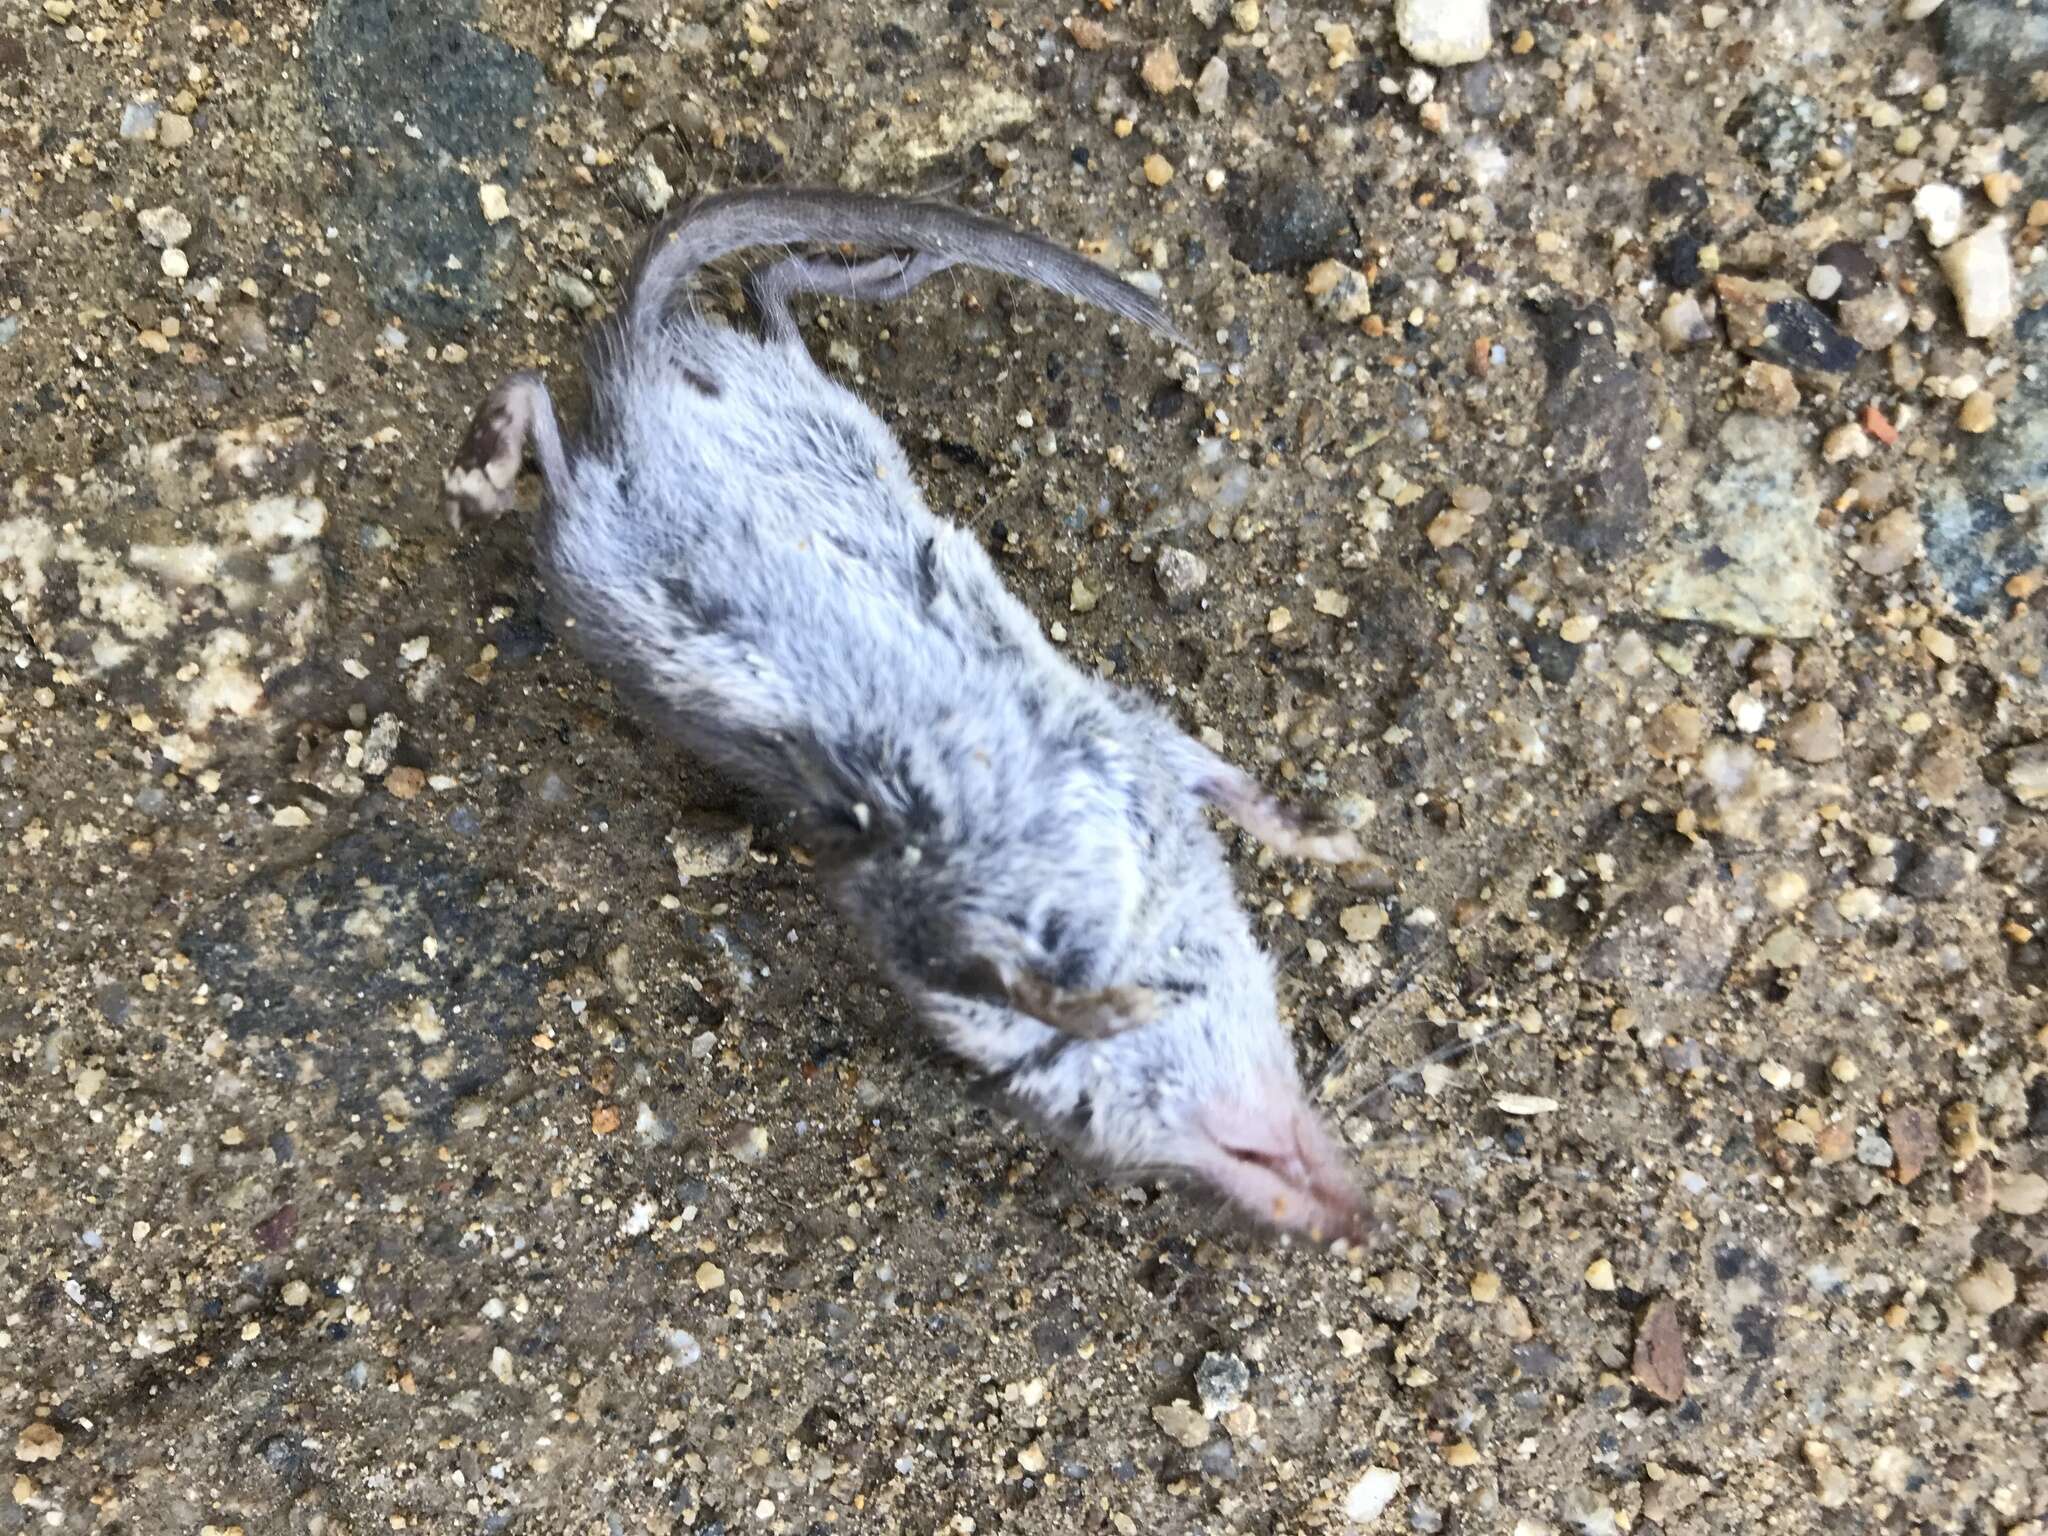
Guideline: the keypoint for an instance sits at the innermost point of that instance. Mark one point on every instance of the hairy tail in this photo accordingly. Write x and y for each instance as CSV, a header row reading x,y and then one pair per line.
x,y
718,225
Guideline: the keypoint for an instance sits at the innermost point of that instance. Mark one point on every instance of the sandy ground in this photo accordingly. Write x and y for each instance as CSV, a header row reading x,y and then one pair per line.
x,y
427,1104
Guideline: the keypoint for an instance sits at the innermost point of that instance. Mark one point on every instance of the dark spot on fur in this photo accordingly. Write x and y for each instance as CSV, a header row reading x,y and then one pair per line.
x,y
700,610
928,572
703,383
1082,1115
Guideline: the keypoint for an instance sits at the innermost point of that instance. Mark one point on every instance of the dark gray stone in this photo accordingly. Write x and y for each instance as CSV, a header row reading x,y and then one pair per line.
x,y
1974,543
1800,337
1596,416
1777,130
382,67
1287,224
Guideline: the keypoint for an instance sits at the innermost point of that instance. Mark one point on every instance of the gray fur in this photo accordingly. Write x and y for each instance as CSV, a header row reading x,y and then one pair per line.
x,y
742,547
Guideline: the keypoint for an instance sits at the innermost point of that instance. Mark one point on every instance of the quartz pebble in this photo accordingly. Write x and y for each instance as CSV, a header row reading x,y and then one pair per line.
x,y
165,228
1874,319
1180,573
1979,272
139,120
1369,1497
646,187
1939,208
1444,31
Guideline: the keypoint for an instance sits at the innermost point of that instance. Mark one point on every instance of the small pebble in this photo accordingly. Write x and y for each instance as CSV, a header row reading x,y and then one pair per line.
x,y
1814,734
709,1276
572,290
1369,1497
2022,1194
647,188
1161,71
1876,319
1979,272
165,228
1600,1275
1444,31
1158,169
1660,1365
1676,731
1683,323
139,120
492,200
1939,208
1847,441
1785,889
1182,1422
1979,412
1988,1288
1180,573
1222,1381
174,130
1449,527
39,1441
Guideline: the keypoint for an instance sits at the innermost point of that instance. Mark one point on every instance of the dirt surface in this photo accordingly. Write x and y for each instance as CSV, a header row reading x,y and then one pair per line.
x,y
427,1104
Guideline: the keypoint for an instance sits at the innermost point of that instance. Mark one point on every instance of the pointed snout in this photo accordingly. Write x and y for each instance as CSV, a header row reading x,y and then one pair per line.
x,y
1267,1151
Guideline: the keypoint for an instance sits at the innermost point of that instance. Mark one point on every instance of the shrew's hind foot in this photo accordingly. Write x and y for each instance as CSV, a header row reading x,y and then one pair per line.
x,y
479,484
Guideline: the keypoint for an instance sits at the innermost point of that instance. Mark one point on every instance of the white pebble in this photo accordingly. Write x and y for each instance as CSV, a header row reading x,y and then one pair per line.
x,y
491,198
164,227
174,263
1444,31
1979,270
1371,1494
1939,208
138,120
